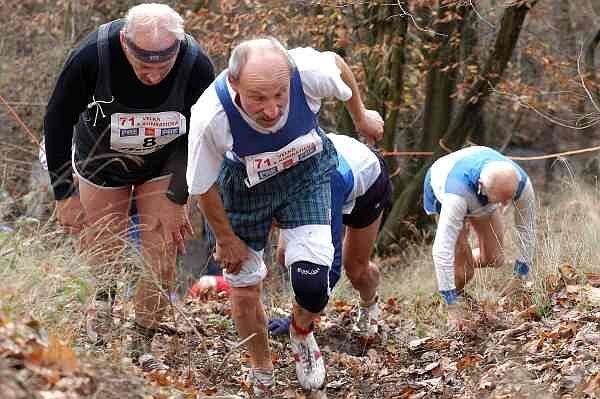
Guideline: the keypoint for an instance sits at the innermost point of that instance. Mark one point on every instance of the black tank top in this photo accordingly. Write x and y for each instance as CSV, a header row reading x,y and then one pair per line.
x,y
117,145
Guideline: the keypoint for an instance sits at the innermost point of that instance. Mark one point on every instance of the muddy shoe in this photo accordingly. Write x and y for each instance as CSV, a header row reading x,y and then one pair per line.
x,y
310,367
368,321
140,349
261,382
99,322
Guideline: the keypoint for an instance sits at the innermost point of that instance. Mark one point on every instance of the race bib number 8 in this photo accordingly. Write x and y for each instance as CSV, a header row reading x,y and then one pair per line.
x,y
262,166
145,133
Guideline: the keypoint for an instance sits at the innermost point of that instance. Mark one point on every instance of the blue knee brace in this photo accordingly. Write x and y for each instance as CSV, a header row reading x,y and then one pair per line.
x,y
311,285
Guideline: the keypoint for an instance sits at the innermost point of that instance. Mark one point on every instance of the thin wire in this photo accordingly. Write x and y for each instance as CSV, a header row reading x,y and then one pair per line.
x,y
513,157
21,123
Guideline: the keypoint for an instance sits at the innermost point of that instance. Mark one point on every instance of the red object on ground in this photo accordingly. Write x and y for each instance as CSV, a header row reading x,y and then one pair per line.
x,y
222,285
209,285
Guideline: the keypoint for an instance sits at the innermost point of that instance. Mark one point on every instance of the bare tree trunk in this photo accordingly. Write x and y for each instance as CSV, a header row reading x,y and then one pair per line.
x,y
596,7
565,46
397,62
591,73
409,203
385,35
441,79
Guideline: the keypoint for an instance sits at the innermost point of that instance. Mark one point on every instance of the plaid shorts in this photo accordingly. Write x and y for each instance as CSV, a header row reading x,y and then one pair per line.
x,y
296,197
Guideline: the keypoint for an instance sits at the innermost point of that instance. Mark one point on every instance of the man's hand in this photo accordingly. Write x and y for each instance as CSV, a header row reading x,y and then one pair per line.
x,y
176,224
457,317
231,254
70,214
370,125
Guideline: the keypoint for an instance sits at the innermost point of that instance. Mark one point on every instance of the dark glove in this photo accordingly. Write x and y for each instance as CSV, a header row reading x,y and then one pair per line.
x,y
279,325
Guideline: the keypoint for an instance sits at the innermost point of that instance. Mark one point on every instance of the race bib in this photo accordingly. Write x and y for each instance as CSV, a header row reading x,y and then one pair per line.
x,y
144,133
262,166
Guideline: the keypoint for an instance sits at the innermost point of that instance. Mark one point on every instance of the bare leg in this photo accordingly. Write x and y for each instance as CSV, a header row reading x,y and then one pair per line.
x,y
249,315
463,259
357,248
103,238
302,317
490,236
106,218
157,281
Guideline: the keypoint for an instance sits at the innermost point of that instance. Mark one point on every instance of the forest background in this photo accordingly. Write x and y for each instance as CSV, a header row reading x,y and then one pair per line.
x,y
520,76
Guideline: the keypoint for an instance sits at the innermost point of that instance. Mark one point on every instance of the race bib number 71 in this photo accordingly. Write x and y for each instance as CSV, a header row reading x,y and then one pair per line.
x,y
261,167
144,133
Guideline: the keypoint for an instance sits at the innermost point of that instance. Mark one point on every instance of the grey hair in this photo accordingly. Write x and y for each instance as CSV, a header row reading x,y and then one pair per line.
x,y
154,18
240,53
496,168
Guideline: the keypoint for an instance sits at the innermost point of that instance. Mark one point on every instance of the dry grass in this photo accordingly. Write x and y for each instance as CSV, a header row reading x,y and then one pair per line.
x,y
42,276
568,230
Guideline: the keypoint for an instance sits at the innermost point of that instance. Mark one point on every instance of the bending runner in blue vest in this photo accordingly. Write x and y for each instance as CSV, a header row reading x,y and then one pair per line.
x,y
360,192
118,120
468,189
255,136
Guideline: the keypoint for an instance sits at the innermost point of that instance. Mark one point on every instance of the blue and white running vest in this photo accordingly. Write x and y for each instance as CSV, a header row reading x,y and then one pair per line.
x,y
463,177
266,155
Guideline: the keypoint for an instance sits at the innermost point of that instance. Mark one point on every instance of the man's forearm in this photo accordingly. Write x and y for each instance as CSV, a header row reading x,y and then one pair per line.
x,y
354,105
212,208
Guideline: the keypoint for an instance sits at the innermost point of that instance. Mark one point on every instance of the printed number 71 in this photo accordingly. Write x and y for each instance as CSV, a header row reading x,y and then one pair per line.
x,y
125,119
262,163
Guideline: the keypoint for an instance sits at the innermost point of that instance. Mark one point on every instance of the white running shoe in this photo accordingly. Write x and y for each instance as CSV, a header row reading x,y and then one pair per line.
x,y
368,320
261,381
310,367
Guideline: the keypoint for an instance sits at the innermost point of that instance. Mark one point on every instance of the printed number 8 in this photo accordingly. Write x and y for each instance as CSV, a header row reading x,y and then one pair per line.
x,y
149,141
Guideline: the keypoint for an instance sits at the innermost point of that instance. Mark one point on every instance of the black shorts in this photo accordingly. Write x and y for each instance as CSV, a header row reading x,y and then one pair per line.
x,y
371,204
115,170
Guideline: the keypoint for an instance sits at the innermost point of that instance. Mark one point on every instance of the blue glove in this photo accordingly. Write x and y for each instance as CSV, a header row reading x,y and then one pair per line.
x,y
279,325
450,296
521,269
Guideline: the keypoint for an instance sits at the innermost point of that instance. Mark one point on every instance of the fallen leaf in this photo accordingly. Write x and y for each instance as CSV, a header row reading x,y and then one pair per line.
x,y
530,314
342,306
406,392
540,343
428,344
568,274
210,391
567,331
553,283
159,377
592,387
468,361
60,355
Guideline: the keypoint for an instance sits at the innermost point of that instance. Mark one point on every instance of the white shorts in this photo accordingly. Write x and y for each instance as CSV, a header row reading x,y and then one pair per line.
x,y
309,243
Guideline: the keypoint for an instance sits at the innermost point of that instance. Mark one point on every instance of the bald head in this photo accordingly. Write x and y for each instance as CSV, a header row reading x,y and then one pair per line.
x,y
151,40
260,71
264,54
499,181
